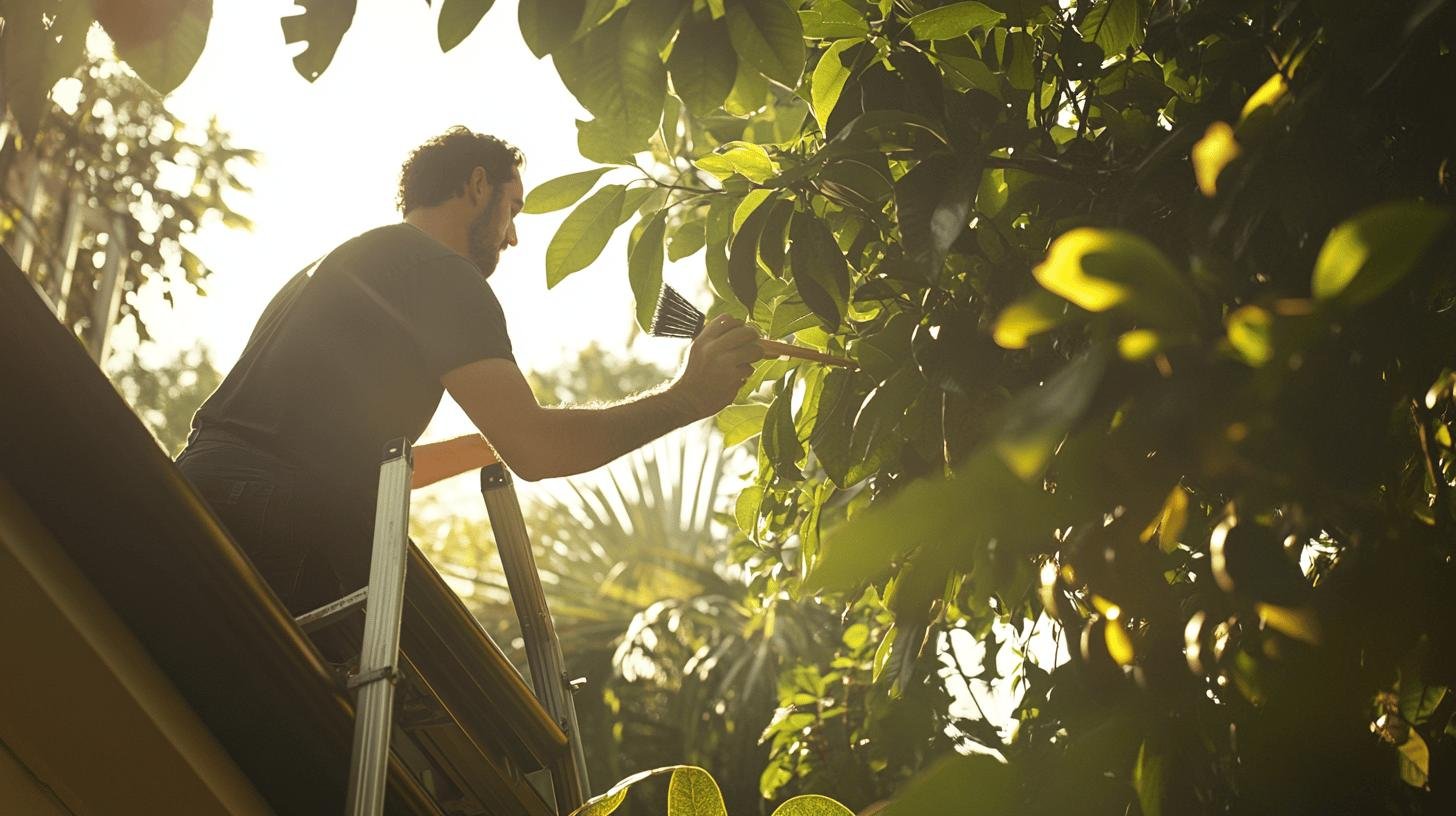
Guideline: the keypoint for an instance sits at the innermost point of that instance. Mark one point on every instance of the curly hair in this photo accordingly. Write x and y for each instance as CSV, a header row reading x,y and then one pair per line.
x,y
437,170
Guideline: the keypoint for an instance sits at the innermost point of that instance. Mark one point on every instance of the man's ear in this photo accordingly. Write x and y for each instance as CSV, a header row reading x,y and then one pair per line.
x,y
478,188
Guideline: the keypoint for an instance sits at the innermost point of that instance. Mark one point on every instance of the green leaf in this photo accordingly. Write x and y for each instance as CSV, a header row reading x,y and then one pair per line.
x,y
322,24
458,18
692,792
644,268
954,20
164,61
743,257
703,65
686,240
616,73
750,90
562,191
1148,777
743,158
820,272
584,233
1102,269
780,441
608,802
752,201
37,56
604,142
745,510
1114,25
812,805
742,422
1038,419
1037,312
975,785
833,19
828,80
1365,256
933,204
546,25
767,34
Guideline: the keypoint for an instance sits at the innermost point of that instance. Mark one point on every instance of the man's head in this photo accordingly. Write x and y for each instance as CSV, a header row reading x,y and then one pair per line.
x,y
470,176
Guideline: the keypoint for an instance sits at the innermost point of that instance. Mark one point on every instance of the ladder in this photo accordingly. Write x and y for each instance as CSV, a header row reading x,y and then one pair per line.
x,y
383,603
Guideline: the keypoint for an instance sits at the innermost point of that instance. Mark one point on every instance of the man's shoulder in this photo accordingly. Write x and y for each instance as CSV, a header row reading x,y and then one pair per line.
x,y
393,248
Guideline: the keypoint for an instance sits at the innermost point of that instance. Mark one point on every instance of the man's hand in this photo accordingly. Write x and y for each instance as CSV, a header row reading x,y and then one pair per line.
x,y
719,362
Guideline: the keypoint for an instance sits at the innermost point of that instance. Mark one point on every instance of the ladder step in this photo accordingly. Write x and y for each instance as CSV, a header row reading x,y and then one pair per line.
x,y
333,611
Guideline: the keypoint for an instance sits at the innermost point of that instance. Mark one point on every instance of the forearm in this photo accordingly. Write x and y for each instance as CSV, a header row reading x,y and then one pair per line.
x,y
441,460
571,440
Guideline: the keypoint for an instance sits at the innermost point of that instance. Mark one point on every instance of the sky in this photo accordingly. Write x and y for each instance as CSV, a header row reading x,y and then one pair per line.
x,y
331,155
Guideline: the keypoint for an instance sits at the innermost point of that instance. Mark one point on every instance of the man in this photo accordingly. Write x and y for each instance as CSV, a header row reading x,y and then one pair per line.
x,y
357,350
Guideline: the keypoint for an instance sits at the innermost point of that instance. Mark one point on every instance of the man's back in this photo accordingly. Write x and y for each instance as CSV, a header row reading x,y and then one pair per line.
x,y
350,356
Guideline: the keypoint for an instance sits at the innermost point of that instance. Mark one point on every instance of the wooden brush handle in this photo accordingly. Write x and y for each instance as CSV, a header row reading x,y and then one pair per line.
x,y
776,349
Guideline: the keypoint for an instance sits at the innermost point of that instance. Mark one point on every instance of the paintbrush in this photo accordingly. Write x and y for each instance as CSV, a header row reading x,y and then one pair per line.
x,y
675,316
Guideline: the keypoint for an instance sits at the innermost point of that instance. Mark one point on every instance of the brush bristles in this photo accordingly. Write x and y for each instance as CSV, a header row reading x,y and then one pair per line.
x,y
674,316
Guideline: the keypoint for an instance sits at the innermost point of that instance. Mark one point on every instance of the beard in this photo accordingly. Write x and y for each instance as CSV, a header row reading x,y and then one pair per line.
x,y
485,248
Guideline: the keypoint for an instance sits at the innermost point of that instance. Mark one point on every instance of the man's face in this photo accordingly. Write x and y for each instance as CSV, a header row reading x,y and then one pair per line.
x,y
494,227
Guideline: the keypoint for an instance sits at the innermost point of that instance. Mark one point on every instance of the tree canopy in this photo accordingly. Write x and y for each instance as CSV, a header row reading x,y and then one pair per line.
x,y
1152,304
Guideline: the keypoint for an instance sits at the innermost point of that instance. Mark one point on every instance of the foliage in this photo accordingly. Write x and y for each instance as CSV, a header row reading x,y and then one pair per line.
x,y
1152,305
692,791
597,375
117,144
166,396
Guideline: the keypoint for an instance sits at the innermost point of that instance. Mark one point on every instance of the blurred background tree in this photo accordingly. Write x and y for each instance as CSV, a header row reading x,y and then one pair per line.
x,y
109,176
165,396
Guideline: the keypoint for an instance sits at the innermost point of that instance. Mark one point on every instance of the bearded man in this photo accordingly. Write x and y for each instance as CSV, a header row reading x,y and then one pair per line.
x,y
357,349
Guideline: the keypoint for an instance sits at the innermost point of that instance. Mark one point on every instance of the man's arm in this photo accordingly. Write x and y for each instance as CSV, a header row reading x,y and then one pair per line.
x,y
441,460
539,442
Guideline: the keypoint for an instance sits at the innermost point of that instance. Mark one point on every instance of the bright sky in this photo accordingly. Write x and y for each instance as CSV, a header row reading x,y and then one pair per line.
x,y
332,151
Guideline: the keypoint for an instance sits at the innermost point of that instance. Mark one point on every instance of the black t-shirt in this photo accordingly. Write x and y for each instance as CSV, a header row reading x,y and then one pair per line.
x,y
349,357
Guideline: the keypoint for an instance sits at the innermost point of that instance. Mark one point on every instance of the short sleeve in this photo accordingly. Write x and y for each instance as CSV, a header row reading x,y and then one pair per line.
x,y
456,316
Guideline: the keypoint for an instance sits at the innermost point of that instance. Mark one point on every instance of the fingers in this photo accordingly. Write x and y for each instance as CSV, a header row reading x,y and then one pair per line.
x,y
736,337
718,326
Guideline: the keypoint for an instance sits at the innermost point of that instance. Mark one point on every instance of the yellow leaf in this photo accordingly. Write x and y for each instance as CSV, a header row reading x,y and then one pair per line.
x,y
1168,525
1300,623
1270,94
1250,331
1119,644
1212,154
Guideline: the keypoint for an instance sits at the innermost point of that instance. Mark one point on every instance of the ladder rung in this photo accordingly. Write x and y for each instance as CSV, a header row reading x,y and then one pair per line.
x,y
332,611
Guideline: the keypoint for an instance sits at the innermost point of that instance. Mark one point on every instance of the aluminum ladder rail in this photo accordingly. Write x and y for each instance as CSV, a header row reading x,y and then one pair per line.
x,y
383,601
543,648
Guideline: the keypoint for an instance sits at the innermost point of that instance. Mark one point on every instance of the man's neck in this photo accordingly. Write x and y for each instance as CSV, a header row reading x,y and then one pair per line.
x,y
443,226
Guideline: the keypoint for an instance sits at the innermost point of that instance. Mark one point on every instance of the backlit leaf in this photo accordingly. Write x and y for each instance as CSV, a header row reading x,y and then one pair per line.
x,y
36,56
1370,253
812,805
954,20
767,34
458,18
1038,419
644,268
546,25
692,792
322,25
1114,25
703,65
974,785
1212,154
616,73
1101,269
584,233
828,80
739,423
562,191
1037,312
820,272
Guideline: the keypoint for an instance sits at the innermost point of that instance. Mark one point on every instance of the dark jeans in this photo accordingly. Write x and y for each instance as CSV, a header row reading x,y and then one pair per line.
x,y
309,546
